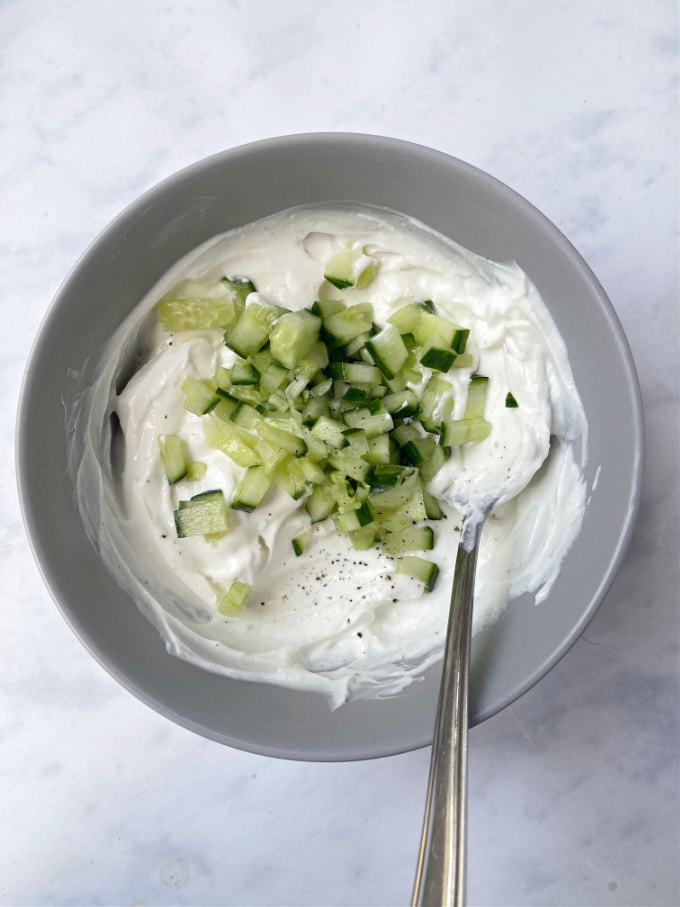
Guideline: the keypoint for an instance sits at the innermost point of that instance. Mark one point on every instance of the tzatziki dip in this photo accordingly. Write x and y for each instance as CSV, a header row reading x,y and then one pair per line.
x,y
274,456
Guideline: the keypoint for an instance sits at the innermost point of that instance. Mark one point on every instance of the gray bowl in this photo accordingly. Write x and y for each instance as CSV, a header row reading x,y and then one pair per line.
x,y
234,188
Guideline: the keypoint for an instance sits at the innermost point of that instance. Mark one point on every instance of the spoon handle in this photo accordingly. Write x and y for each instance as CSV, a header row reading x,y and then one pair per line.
x,y
440,873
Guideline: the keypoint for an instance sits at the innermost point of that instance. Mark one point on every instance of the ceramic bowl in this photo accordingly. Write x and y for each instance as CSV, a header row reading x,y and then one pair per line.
x,y
234,188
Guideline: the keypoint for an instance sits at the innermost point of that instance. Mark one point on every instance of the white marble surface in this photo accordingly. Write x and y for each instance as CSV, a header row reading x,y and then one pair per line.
x,y
574,789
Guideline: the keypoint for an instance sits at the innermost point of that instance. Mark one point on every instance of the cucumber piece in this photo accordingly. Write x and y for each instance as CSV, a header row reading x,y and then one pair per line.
x,y
351,520
349,464
394,498
314,409
251,331
226,408
357,441
245,415
347,324
381,450
239,289
363,538
476,398
300,542
187,313
324,308
464,431
290,477
510,401
356,372
437,355
293,335
234,599
406,432
196,470
433,510
413,538
434,461
384,476
452,335
251,489
419,568
330,432
372,423
199,396
221,381
387,350
351,267
321,503
232,440
204,514
243,372
418,450
279,437
173,457
406,318
401,404
436,403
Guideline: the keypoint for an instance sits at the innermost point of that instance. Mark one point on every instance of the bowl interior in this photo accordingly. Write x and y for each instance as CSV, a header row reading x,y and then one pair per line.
x,y
234,188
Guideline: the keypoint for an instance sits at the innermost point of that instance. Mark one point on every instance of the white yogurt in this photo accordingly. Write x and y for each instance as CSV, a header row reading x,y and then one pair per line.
x,y
334,620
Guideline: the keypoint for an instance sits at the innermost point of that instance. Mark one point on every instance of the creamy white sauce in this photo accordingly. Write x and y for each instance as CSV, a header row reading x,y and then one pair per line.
x,y
333,620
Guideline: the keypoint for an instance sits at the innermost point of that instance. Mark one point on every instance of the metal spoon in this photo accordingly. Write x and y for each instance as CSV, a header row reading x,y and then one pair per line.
x,y
440,873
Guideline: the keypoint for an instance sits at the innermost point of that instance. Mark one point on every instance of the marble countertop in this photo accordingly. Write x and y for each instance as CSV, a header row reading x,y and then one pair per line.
x,y
574,789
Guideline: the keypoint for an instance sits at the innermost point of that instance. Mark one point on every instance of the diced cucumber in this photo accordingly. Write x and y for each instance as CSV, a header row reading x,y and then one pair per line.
x,y
434,461
290,477
433,510
293,335
419,568
234,599
330,432
452,335
232,440
413,538
199,396
239,289
178,313
363,538
406,318
384,476
343,326
196,470
380,449
324,308
320,503
332,409
204,514
351,520
476,398
464,431
510,401
401,404
351,267
436,403
173,457
244,373
251,331
372,423
418,450
279,437
300,542
356,372
250,491
387,350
